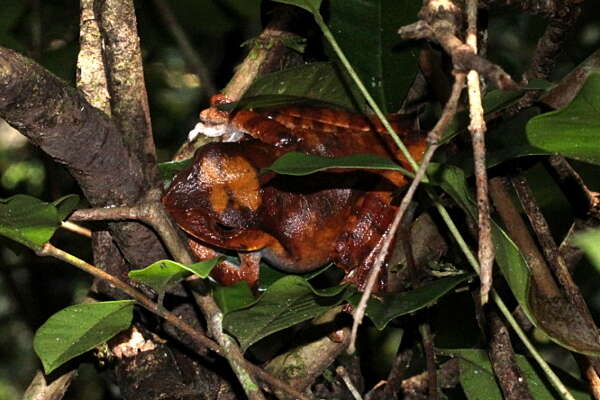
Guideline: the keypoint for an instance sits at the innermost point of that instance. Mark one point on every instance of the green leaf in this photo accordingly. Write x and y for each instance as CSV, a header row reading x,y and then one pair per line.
x,y
287,302
479,383
554,316
590,243
165,273
367,33
311,6
270,275
28,220
298,164
170,168
233,297
494,102
78,329
315,84
573,131
509,259
65,205
384,307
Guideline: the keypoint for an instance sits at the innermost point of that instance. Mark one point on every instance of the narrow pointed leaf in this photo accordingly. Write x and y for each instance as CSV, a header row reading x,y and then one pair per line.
x,y
78,329
384,307
287,302
556,317
165,273
298,164
169,168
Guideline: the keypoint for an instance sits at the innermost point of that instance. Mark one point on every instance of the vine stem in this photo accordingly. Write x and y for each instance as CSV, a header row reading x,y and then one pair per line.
x,y
552,377
555,381
338,51
433,138
49,250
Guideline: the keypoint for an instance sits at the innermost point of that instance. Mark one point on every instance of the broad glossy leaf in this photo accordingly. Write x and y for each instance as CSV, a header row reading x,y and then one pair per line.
x,y
165,273
311,6
28,220
287,302
316,84
590,243
233,297
384,307
573,131
479,383
298,164
367,32
78,329
554,316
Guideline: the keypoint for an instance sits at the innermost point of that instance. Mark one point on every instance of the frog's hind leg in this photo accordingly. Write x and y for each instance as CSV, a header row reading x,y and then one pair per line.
x,y
358,246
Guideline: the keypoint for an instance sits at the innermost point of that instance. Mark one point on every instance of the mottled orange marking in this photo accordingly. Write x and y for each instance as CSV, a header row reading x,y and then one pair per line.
x,y
212,177
242,182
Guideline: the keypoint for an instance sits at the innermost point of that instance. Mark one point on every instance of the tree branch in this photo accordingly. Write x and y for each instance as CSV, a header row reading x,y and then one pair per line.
x,y
55,117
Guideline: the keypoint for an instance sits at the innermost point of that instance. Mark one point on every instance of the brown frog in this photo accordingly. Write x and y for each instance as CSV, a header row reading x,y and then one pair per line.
x,y
297,224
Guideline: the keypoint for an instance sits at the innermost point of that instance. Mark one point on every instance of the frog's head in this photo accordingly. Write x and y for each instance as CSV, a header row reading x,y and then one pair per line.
x,y
216,200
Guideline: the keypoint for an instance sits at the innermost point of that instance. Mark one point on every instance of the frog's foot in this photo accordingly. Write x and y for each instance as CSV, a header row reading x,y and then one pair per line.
x,y
226,272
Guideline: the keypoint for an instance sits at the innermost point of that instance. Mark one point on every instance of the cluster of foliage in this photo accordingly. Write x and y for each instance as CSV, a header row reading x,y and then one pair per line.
x,y
366,34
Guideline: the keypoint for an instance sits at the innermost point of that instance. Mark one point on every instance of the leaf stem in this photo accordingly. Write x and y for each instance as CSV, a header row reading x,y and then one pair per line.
x,y
338,51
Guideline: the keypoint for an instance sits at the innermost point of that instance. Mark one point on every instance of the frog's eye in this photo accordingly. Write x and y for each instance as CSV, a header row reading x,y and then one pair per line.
x,y
225,228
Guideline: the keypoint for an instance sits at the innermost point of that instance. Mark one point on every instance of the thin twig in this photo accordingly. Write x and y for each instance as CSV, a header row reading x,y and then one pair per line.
x,y
448,377
593,380
342,373
80,230
552,377
516,227
502,357
477,128
393,384
433,137
584,201
554,257
549,247
432,381
440,22
41,389
144,301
